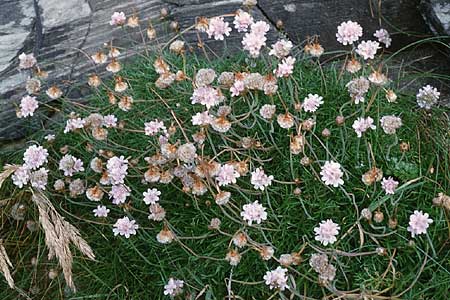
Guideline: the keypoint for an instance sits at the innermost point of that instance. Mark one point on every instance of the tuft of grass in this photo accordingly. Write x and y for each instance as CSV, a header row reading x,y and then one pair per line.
x,y
138,268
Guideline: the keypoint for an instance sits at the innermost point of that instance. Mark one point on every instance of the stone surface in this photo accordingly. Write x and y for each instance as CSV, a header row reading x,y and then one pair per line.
x,y
437,15
64,33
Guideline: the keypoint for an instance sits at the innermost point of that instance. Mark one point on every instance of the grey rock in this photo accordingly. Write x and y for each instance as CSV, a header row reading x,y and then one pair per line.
x,y
437,15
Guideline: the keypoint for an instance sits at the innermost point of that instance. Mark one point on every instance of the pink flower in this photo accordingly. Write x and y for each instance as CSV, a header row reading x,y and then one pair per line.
x,y
427,96
383,37
119,193
361,125
26,61
312,102
227,175
242,20
207,96
389,185
201,119
218,28
237,88
21,176
368,49
254,212
267,111
418,223
125,227
253,43
117,169
110,121
151,196
281,48
70,165
174,287
286,67
28,105
117,19
153,127
332,174
260,180
326,232
349,32
277,279
35,156
39,178
73,124
101,211
260,28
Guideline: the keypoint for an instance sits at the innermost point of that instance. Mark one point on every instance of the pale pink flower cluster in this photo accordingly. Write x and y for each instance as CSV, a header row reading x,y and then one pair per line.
x,y
202,119
101,211
389,185
207,96
117,19
153,127
125,227
70,165
242,21
332,174
21,176
277,279
28,106
35,156
227,175
260,180
73,124
358,88
119,193
151,196
237,88
26,61
174,287
427,97
281,48
368,49
254,212
390,124
312,102
286,67
326,232
419,223
218,28
117,169
256,38
349,32
361,125
383,36
110,121
267,111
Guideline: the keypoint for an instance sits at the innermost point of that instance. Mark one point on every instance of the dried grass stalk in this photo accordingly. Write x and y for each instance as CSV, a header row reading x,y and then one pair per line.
x,y
5,264
58,236
8,170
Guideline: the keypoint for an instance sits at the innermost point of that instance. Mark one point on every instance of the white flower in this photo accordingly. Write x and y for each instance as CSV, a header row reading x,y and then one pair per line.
x,y
110,121
101,211
254,212
174,287
21,176
242,20
349,32
383,37
26,61
187,153
390,124
260,180
117,169
427,96
202,119
151,196
285,68
35,156
227,175
368,49
332,174
73,124
117,19
119,193
312,102
419,223
277,279
207,96
39,178
28,105
361,125
125,227
153,127
218,28
326,232
281,48
267,111
70,165
389,185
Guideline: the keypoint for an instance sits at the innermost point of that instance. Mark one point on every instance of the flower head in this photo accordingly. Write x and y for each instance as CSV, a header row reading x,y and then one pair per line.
x,y
281,48
242,21
101,211
260,180
35,156
326,232
419,223
361,125
349,32
151,196
383,36
125,227
70,165
28,106
117,19
254,212
174,287
26,61
389,185
285,68
368,49
390,124
427,96
218,28
312,102
227,175
277,279
332,174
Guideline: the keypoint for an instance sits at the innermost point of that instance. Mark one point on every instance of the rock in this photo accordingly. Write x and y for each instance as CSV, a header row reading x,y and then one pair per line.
x,y
437,15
